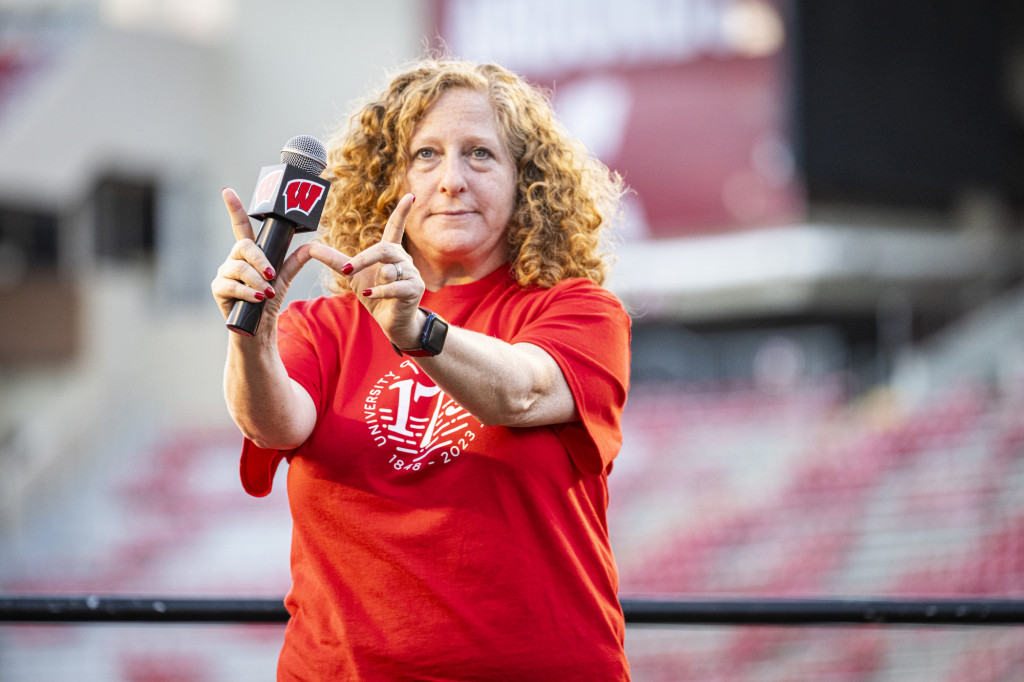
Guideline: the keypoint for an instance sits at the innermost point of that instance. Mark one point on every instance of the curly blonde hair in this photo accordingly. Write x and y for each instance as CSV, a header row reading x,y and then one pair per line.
x,y
564,200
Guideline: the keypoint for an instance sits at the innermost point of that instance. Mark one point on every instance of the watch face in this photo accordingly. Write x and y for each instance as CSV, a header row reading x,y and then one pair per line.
x,y
435,334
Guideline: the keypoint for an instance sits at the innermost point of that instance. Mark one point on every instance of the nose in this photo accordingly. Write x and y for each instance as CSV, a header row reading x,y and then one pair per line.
x,y
453,178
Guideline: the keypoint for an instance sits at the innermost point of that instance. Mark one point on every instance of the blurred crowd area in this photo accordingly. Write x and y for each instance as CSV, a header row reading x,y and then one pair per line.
x,y
720,490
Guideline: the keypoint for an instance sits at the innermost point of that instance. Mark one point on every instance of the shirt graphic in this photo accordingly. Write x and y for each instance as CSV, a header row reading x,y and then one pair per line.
x,y
413,422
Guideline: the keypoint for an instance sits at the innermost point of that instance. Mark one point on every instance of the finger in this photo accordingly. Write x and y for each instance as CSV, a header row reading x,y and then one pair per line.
x,y
332,258
291,266
237,280
399,271
391,272
395,229
240,223
405,290
248,251
387,284
232,290
241,271
381,253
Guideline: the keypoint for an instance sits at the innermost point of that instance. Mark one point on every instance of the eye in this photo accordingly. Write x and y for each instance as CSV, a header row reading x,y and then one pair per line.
x,y
481,153
424,153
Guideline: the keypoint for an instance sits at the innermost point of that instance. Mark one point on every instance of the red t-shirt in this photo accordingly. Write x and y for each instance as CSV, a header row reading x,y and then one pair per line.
x,y
428,546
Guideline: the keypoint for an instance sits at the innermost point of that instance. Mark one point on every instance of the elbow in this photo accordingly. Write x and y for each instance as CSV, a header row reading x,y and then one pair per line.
x,y
268,438
508,410
269,442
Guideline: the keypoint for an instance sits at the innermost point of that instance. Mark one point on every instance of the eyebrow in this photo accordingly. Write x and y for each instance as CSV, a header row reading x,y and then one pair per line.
x,y
471,140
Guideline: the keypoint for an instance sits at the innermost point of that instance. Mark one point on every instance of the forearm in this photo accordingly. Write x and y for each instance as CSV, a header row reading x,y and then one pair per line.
x,y
501,383
267,405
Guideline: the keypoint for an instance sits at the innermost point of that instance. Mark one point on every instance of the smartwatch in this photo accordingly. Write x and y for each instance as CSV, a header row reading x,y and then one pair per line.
x,y
435,331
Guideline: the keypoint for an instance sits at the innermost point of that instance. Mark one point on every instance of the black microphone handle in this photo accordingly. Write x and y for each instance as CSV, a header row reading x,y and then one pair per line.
x,y
274,238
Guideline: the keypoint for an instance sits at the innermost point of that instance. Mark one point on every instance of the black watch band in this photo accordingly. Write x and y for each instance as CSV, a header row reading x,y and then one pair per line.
x,y
435,331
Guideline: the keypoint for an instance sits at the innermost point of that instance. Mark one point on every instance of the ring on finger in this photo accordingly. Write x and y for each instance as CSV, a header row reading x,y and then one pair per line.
x,y
398,272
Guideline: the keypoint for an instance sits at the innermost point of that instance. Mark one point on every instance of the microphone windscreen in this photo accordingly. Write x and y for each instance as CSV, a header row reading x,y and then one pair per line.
x,y
306,153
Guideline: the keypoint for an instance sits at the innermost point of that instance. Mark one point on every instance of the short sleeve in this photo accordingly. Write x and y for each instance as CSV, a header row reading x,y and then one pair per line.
x,y
587,332
298,352
257,468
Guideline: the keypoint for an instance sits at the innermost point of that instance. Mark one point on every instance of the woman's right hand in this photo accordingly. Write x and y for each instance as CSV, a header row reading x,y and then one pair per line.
x,y
247,274
271,409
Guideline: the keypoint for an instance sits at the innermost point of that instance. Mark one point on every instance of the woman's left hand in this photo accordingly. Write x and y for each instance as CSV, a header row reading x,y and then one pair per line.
x,y
385,278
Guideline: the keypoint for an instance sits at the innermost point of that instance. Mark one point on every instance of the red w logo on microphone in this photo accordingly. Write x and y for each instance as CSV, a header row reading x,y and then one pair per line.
x,y
302,195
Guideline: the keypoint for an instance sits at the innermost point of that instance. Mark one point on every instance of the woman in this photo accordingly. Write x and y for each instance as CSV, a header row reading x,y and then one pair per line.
x,y
451,414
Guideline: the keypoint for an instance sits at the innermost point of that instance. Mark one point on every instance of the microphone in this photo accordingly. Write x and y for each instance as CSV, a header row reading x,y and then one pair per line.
x,y
289,198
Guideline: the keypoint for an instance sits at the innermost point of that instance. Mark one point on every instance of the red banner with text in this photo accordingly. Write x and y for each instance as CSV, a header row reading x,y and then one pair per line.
x,y
687,99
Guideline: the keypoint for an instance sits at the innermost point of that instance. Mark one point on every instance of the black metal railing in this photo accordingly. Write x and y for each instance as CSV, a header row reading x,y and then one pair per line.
x,y
638,611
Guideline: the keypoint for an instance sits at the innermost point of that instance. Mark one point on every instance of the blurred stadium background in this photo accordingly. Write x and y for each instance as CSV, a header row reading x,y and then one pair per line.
x,y
822,256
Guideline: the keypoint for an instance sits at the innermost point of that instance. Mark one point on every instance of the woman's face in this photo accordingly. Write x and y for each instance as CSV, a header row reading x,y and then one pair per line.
x,y
465,184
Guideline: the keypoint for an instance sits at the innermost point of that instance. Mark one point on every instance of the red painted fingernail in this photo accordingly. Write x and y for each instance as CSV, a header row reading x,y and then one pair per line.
x,y
367,292
259,296
347,269
269,273
270,293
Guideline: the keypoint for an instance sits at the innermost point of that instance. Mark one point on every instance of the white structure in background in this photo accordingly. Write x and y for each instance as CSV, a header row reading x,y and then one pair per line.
x,y
189,97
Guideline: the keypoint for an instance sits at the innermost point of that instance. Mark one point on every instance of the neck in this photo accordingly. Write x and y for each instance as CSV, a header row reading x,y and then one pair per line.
x,y
437,275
